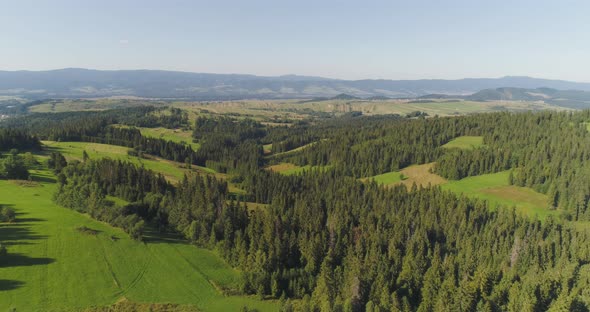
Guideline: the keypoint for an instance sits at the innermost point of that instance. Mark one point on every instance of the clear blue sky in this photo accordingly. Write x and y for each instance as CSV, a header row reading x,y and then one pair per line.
x,y
339,39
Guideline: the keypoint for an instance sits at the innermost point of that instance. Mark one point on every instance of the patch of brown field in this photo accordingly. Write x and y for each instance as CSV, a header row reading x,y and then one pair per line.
x,y
281,167
421,175
518,194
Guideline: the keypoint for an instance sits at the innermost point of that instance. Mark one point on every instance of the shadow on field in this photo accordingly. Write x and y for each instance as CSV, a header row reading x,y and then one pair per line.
x,y
19,219
16,260
10,284
152,236
25,220
42,178
17,232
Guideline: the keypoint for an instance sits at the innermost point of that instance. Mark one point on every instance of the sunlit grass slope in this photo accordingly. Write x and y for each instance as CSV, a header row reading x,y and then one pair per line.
x,y
52,266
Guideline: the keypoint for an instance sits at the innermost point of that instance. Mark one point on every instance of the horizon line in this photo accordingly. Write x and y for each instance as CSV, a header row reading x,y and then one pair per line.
x,y
283,75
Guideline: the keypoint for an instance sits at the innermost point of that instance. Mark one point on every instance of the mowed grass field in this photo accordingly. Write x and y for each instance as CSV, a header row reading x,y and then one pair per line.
x,y
465,142
51,266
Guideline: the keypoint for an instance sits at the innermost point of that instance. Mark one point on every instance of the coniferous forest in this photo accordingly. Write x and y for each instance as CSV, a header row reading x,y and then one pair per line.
x,y
330,240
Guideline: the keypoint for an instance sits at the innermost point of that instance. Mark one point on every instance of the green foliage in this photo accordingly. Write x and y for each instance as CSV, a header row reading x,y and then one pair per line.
x,y
7,214
339,244
13,167
57,162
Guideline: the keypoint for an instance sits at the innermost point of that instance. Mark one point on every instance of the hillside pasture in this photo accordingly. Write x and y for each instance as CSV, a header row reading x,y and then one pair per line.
x,y
174,135
495,189
53,266
173,171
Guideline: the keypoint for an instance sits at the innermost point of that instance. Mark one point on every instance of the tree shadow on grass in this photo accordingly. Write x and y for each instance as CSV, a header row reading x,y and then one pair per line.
x,y
19,232
24,220
42,178
14,233
153,236
16,260
10,284
20,219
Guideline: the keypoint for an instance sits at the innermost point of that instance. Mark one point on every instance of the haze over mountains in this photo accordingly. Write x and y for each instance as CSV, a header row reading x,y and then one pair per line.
x,y
82,83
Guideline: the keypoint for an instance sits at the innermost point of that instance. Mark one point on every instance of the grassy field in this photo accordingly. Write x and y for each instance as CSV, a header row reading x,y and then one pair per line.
x,y
172,171
293,150
298,109
53,267
291,169
465,142
99,104
418,174
174,135
73,150
421,176
495,189
386,178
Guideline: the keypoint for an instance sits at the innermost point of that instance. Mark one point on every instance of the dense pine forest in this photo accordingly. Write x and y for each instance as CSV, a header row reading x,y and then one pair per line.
x,y
329,240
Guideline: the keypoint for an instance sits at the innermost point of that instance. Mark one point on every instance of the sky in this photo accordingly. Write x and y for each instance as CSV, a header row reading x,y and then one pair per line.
x,y
448,39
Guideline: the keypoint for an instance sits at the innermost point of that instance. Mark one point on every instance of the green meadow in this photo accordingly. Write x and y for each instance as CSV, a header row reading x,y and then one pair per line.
x,y
74,150
465,142
386,178
495,189
174,135
52,266
291,169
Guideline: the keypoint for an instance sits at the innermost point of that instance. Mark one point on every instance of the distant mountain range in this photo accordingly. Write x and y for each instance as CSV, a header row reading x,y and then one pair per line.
x,y
85,83
565,98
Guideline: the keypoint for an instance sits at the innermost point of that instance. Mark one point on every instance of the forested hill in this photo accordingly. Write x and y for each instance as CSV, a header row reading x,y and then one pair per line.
x,y
328,238
80,83
565,98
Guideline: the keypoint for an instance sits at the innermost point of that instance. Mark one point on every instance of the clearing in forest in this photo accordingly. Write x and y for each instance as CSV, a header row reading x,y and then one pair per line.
x,y
174,135
171,170
385,178
495,189
291,169
421,175
465,142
